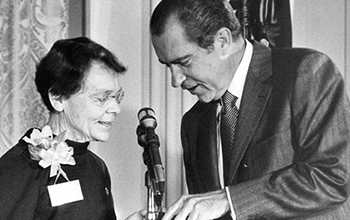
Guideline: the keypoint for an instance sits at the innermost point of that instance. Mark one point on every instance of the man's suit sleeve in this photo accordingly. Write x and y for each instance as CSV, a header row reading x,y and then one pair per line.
x,y
317,181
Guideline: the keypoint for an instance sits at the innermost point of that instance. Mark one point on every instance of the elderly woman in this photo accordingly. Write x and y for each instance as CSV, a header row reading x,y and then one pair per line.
x,y
50,173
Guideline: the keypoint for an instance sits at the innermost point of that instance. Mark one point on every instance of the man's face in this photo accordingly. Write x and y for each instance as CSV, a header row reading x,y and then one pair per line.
x,y
195,69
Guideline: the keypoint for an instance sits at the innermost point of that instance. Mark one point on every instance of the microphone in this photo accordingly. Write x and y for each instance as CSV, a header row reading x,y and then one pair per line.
x,y
149,140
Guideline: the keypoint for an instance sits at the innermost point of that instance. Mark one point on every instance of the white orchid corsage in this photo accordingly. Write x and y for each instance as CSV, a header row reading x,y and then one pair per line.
x,y
50,151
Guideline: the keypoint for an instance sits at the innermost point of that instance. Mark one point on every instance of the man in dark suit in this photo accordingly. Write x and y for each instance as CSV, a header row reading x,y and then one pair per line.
x,y
291,149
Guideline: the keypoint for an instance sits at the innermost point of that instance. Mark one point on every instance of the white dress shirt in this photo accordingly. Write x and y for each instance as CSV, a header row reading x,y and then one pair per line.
x,y
235,88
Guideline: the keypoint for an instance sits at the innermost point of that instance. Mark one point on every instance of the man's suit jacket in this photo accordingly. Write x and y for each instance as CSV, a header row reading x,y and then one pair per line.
x,y
292,143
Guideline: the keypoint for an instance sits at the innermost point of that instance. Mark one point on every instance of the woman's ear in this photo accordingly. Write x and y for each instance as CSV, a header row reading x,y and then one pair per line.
x,y
56,102
223,42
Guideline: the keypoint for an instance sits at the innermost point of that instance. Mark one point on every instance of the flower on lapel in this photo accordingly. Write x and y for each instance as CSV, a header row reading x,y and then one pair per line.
x,y
50,151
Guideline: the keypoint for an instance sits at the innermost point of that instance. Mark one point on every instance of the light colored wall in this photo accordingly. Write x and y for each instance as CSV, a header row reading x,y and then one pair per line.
x,y
325,26
320,24
122,26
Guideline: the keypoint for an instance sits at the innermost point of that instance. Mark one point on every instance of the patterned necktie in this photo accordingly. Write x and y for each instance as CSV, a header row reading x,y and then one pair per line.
x,y
229,115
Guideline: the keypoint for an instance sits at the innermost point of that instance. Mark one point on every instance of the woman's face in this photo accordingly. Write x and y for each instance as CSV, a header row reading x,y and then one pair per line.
x,y
90,112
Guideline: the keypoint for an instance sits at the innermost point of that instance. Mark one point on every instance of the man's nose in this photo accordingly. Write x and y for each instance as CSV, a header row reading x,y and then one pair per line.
x,y
177,76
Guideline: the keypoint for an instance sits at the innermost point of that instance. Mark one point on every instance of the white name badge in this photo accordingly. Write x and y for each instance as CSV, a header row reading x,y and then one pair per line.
x,y
64,193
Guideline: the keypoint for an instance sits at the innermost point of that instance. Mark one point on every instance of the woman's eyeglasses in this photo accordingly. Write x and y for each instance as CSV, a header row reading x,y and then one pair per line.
x,y
107,98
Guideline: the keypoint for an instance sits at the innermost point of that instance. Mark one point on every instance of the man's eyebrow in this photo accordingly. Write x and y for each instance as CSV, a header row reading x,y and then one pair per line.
x,y
178,60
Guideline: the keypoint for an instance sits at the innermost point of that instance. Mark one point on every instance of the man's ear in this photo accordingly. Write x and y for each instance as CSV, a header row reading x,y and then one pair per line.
x,y
56,102
223,42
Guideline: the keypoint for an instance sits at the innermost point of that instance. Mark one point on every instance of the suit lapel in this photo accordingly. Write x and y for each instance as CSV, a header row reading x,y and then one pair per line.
x,y
255,96
206,156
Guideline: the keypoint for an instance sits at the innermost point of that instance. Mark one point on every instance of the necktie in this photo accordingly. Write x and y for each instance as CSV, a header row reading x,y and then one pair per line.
x,y
229,115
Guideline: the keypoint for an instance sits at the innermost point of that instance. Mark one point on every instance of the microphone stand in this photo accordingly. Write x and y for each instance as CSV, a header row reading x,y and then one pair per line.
x,y
155,189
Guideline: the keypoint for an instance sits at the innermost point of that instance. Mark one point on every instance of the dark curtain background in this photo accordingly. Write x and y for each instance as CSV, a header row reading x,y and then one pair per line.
x,y
265,20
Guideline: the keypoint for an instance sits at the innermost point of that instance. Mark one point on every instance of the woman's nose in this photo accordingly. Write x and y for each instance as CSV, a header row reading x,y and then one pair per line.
x,y
114,107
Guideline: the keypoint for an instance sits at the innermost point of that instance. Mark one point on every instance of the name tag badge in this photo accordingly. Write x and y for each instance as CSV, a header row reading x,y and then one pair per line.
x,y
64,193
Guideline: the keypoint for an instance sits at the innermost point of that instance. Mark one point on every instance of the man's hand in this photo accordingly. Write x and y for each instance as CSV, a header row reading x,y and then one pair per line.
x,y
199,206
140,215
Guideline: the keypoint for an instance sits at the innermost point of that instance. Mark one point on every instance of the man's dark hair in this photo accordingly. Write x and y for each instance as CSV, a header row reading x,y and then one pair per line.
x,y
201,19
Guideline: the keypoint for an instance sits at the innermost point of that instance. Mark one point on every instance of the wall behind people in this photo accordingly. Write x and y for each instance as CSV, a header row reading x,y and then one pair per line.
x,y
324,25
122,26
27,31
